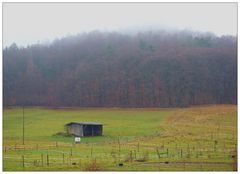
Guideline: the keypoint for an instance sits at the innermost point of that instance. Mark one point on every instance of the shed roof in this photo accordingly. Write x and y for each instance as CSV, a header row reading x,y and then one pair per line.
x,y
84,123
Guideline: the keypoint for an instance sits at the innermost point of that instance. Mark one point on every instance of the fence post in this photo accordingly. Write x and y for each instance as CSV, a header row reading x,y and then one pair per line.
x,y
158,154
47,160
215,145
119,145
63,158
131,156
23,165
91,151
80,163
42,159
70,160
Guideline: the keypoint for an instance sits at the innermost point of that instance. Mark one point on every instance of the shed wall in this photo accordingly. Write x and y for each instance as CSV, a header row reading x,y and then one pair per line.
x,y
75,129
84,130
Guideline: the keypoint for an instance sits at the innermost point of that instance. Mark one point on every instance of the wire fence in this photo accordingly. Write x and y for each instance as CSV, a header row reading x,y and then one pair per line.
x,y
66,155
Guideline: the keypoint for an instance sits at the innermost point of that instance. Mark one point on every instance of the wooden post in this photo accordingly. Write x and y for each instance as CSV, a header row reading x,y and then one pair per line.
x,y
119,145
119,149
138,146
80,163
47,160
215,145
71,151
131,158
42,159
158,154
91,151
23,165
36,146
68,161
181,153
63,158
167,152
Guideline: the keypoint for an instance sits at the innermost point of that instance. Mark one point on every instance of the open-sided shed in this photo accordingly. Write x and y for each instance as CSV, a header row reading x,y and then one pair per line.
x,y
83,129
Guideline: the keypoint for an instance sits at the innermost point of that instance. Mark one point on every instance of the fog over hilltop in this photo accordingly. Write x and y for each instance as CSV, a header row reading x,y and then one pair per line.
x,y
29,23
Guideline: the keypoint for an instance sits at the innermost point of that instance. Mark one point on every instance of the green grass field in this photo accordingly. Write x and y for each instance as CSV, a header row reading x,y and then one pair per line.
x,y
202,138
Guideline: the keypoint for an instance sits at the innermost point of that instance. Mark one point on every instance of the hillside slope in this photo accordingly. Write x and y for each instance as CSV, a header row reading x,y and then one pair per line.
x,y
150,69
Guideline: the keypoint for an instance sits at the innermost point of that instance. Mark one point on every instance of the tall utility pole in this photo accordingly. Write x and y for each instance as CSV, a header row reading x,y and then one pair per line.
x,y
23,126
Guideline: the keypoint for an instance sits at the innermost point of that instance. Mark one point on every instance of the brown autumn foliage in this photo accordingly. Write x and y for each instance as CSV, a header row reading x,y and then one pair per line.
x,y
150,69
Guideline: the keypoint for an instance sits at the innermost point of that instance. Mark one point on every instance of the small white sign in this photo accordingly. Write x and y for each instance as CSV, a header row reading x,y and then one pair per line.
x,y
77,139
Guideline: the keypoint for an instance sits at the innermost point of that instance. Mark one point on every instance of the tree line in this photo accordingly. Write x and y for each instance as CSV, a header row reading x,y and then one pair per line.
x,y
110,69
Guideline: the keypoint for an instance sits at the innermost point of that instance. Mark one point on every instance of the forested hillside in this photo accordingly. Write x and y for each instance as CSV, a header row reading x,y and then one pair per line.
x,y
100,69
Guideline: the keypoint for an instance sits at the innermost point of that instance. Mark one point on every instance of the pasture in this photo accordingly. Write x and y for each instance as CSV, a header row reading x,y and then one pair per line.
x,y
202,138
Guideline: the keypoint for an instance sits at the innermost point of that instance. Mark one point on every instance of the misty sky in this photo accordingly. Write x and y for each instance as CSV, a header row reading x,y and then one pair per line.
x,y
28,23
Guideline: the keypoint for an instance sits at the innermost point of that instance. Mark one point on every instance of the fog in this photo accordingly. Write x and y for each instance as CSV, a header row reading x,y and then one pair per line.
x,y
29,23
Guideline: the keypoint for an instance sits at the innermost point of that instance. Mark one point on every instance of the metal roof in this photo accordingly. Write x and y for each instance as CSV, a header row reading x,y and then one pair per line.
x,y
84,123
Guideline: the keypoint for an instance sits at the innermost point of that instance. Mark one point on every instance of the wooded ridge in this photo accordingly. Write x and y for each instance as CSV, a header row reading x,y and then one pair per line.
x,y
110,69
